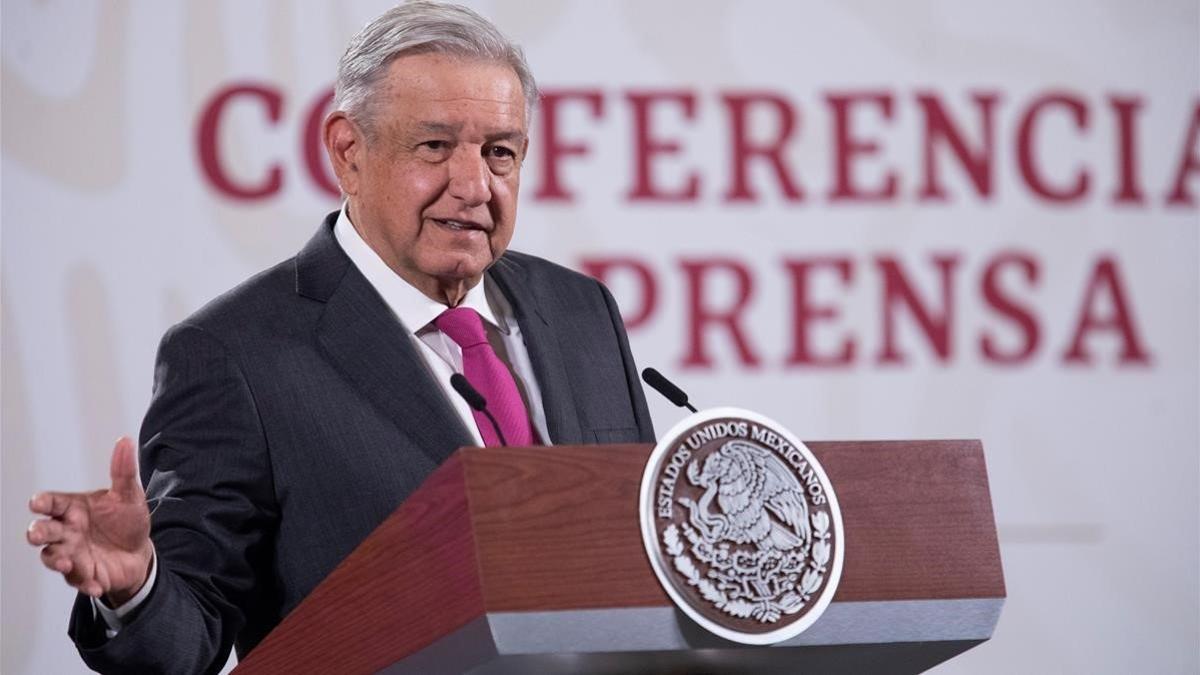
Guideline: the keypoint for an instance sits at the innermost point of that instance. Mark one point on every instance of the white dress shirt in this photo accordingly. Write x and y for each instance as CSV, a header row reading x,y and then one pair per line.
x,y
442,356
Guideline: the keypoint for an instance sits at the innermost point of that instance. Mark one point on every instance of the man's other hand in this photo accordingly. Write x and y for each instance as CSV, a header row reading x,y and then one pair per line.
x,y
99,541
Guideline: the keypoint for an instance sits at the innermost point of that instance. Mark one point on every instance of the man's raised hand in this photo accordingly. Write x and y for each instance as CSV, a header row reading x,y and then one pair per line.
x,y
99,541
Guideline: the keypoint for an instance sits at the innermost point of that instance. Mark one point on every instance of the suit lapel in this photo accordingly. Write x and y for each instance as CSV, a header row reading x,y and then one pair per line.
x,y
533,312
373,350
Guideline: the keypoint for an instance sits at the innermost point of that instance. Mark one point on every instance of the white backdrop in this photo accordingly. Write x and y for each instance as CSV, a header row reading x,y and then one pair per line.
x,y
1065,222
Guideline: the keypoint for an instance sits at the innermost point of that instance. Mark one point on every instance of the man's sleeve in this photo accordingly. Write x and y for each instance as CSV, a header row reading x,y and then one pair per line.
x,y
203,436
636,395
114,617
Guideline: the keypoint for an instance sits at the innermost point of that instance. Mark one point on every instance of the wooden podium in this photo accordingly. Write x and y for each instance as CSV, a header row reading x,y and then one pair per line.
x,y
530,560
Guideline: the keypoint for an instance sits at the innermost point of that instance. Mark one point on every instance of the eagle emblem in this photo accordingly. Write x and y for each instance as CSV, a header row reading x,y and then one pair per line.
x,y
743,526
760,502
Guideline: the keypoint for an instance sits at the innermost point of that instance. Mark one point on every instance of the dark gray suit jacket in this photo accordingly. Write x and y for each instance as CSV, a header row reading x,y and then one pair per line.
x,y
297,415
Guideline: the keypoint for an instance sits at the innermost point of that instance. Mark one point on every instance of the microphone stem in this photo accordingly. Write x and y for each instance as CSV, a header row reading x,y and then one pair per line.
x,y
495,427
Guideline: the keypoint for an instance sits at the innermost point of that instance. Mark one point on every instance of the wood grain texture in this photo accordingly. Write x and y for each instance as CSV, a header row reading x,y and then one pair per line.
x,y
918,519
560,530
412,581
545,529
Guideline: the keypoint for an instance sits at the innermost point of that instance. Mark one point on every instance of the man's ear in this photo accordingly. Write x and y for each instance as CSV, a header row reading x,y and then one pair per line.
x,y
344,142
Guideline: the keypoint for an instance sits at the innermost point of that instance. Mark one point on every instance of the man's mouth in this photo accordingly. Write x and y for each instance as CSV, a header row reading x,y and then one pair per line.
x,y
459,225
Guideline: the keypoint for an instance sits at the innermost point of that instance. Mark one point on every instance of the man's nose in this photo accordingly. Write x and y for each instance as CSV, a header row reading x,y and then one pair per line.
x,y
470,177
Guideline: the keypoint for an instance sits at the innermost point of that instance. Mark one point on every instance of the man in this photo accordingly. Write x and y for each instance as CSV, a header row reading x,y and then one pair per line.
x,y
291,415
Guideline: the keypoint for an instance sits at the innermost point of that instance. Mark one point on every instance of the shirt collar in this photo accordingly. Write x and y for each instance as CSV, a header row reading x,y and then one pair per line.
x,y
414,309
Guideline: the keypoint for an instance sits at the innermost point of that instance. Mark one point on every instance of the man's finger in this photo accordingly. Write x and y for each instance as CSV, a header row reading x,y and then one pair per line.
x,y
123,470
44,531
79,574
56,558
52,504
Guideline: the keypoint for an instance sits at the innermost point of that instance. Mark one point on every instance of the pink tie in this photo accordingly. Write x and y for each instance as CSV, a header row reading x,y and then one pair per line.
x,y
490,377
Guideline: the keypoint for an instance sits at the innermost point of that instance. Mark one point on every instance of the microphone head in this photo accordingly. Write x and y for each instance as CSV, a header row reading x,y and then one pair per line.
x,y
664,386
469,394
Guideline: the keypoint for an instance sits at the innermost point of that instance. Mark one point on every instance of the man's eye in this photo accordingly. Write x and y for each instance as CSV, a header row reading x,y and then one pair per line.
x,y
435,145
501,152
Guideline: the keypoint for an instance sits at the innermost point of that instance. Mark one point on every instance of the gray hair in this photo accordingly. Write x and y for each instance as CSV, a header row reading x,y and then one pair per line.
x,y
421,28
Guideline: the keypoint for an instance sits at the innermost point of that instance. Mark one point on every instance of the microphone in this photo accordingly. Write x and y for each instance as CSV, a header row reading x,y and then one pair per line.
x,y
664,386
477,402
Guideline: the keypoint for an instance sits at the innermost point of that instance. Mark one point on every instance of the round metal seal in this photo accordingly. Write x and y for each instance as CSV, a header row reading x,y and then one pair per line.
x,y
742,526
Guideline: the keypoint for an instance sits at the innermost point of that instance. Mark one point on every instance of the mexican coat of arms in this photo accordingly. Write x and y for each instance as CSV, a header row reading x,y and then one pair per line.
x,y
741,526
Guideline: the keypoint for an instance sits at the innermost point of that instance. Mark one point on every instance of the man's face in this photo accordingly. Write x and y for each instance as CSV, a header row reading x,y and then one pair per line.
x,y
433,187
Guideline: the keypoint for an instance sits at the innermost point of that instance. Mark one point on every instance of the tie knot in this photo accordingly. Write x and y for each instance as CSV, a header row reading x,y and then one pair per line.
x,y
463,325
